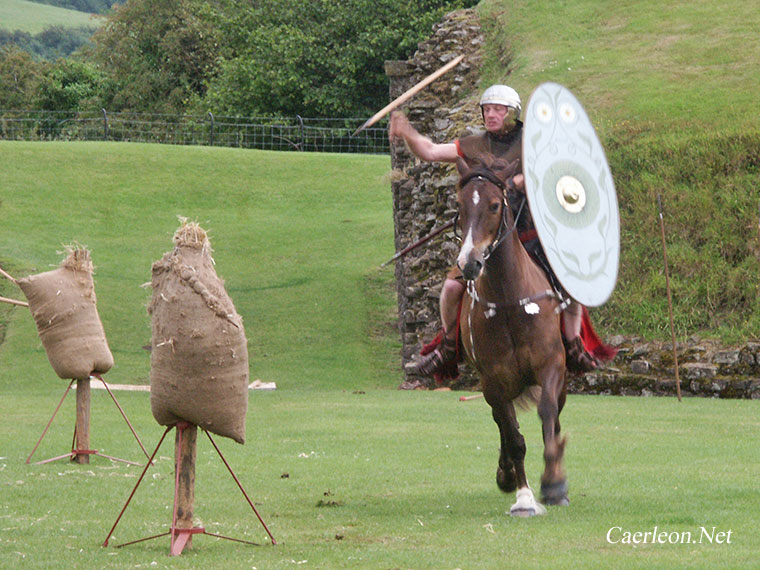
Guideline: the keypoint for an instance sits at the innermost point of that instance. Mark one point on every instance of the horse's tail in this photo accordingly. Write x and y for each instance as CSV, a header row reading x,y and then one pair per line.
x,y
528,397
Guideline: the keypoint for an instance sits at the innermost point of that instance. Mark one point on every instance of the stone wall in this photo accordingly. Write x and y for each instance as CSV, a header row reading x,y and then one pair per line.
x,y
705,368
424,193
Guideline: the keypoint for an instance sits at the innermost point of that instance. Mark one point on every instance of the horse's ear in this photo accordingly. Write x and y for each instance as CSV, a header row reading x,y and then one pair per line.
x,y
504,170
462,166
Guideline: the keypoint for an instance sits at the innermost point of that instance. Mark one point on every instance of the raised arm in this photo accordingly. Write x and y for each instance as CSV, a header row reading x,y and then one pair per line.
x,y
401,129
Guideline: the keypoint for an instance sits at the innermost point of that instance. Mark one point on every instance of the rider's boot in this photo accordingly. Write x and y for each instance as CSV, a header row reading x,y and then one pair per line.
x,y
434,361
577,358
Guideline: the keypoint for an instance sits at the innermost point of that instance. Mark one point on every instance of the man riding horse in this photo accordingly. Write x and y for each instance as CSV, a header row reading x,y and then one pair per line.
x,y
500,107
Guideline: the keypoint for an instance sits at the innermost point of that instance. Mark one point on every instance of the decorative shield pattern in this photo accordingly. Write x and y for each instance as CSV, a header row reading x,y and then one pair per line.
x,y
571,194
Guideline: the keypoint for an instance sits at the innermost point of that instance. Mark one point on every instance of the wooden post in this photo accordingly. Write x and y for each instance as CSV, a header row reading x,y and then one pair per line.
x,y
185,445
670,301
83,423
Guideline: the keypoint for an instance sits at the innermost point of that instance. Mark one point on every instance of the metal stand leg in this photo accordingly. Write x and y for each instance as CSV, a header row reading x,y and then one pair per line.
x,y
77,454
182,512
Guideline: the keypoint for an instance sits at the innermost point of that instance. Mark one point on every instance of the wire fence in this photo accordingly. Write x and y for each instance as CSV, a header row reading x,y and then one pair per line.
x,y
265,133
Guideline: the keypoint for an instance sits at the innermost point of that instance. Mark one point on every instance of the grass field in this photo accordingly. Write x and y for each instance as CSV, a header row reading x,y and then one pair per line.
x,y
298,239
671,89
32,17
665,65
346,471
386,479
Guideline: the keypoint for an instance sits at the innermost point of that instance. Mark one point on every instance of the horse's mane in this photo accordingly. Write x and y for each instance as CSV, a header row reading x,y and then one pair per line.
x,y
491,168
481,172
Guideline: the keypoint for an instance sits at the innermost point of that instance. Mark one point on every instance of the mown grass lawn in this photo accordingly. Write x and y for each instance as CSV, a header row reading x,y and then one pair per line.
x,y
297,237
347,471
388,479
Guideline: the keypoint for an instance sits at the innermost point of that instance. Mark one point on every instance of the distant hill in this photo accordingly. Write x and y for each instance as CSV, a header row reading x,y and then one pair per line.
x,y
87,6
33,17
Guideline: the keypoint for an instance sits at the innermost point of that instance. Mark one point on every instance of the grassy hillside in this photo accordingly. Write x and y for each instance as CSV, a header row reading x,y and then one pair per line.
x,y
671,89
665,64
298,237
33,17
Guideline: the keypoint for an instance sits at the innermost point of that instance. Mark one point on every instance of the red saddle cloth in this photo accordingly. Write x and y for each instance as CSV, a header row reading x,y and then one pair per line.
x,y
591,342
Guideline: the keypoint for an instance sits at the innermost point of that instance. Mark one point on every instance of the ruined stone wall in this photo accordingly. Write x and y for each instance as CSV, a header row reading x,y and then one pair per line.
x,y
705,368
423,193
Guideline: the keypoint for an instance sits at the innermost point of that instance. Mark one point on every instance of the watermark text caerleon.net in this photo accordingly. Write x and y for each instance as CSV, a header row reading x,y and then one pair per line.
x,y
704,535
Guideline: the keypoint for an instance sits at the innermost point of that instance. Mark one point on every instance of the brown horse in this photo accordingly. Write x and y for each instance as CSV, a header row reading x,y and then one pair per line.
x,y
510,330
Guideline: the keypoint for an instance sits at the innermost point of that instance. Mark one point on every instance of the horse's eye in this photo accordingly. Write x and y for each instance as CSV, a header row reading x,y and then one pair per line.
x,y
493,208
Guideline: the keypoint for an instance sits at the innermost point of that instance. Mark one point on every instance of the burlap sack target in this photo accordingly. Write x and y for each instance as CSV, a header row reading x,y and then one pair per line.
x,y
63,305
199,357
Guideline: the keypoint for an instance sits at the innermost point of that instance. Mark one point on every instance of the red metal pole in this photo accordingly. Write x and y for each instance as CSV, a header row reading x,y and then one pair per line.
x,y
99,377
47,427
247,498
132,494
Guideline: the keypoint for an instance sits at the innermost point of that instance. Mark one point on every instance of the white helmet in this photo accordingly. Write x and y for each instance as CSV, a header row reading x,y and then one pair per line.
x,y
501,95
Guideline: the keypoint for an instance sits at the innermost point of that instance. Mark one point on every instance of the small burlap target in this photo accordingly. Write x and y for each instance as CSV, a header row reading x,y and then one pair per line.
x,y
199,356
63,305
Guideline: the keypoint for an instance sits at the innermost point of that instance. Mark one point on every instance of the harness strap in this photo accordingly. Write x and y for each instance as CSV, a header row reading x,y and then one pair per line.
x,y
502,235
528,303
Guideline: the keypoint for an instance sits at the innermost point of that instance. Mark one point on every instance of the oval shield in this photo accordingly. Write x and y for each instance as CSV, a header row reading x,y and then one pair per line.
x,y
571,194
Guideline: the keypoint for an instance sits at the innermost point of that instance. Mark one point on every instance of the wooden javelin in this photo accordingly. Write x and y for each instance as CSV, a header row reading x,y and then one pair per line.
x,y
14,302
408,94
418,243
6,299
6,275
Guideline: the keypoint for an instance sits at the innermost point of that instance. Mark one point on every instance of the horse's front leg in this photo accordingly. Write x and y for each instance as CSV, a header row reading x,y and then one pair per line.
x,y
553,480
510,474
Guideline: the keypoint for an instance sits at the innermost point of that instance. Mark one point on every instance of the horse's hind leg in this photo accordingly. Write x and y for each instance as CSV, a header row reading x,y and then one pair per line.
x,y
553,481
510,475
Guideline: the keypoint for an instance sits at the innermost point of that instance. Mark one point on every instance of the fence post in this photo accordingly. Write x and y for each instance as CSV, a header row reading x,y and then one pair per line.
x,y
211,129
301,146
105,125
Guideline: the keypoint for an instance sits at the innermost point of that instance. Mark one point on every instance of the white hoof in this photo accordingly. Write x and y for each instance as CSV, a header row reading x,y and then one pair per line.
x,y
526,505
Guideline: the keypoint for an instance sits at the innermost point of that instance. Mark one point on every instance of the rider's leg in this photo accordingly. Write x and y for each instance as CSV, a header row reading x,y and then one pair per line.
x,y
578,359
571,320
429,364
451,295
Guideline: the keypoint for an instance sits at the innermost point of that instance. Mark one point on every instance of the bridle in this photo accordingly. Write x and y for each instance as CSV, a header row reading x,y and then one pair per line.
x,y
528,303
504,231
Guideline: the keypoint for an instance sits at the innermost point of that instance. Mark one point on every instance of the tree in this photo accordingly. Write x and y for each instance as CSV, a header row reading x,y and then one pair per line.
x,y
68,85
19,77
157,53
316,58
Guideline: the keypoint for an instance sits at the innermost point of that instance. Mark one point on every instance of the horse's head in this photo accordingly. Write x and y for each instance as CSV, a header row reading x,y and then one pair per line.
x,y
483,211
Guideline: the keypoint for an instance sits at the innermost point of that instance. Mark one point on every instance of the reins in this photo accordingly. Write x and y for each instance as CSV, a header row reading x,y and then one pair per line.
x,y
528,303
